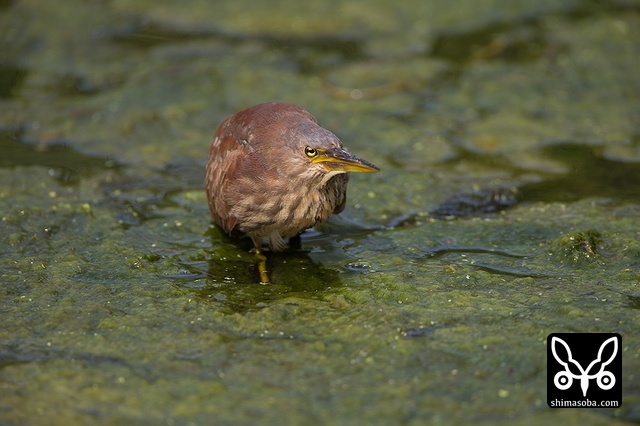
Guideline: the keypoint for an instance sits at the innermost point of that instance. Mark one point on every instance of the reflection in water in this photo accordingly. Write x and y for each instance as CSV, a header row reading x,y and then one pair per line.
x,y
235,283
229,276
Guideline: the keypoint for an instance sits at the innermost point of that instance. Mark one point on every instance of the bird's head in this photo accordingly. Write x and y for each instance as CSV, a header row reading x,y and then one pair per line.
x,y
289,142
322,150
318,151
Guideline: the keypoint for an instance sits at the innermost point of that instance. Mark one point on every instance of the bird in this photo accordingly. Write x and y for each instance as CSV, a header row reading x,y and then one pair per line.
x,y
273,172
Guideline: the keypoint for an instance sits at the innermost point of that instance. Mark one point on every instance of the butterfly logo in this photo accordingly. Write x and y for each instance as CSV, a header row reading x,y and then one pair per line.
x,y
564,379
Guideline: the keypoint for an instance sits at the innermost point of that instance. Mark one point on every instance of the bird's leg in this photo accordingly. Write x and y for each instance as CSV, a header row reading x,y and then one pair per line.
x,y
262,267
261,263
295,242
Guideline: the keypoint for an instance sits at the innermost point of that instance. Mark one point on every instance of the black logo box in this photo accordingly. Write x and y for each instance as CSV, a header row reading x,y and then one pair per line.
x,y
584,370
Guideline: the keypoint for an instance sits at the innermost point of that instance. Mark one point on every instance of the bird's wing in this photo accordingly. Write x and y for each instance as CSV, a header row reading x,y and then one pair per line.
x,y
225,157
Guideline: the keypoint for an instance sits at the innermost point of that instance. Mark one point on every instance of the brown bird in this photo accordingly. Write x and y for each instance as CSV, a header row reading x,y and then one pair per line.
x,y
274,172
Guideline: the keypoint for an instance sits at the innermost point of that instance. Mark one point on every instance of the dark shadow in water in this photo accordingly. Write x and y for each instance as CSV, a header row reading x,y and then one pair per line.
x,y
147,33
476,203
591,175
17,352
69,165
517,38
633,301
312,52
11,78
512,40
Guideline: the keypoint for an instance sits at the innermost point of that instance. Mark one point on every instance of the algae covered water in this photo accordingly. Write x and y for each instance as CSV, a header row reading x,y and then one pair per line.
x,y
507,209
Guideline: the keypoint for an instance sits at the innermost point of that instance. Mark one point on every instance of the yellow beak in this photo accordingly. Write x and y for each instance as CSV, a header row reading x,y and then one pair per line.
x,y
337,159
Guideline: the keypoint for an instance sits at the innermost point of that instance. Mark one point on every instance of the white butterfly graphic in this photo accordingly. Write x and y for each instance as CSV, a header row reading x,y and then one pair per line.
x,y
564,379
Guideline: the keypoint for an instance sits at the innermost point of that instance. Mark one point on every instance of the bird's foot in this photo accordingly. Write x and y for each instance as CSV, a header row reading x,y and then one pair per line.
x,y
261,263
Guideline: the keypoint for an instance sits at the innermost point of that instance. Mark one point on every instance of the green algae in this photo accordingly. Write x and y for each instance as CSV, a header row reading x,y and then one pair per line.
x,y
121,305
577,247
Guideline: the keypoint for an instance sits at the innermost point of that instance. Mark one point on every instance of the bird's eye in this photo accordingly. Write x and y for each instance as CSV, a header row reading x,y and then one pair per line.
x,y
310,152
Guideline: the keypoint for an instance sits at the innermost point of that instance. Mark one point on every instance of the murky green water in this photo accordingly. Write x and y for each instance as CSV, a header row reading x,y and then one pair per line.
x,y
508,208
